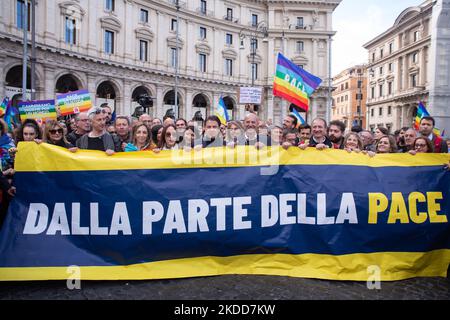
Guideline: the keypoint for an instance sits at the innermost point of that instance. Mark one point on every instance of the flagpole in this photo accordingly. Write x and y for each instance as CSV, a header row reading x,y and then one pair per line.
x,y
33,49
25,47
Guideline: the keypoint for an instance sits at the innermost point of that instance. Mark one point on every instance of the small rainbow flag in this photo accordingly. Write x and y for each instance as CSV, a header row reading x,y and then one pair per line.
x,y
222,112
423,112
293,83
3,106
74,102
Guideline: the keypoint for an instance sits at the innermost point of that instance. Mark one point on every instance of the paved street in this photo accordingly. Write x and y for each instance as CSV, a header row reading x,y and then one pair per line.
x,y
231,288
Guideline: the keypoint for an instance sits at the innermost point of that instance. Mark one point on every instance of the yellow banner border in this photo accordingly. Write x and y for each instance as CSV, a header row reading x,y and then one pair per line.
x,y
52,158
394,266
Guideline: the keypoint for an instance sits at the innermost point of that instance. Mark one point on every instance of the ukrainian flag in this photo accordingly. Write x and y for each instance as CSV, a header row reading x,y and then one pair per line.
x,y
222,112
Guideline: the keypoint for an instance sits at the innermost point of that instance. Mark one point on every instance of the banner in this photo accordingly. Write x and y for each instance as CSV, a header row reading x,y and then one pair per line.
x,y
41,111
140,215
74,102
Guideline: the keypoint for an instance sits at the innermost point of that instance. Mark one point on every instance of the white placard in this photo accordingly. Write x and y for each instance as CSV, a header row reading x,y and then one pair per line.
x,y
250,95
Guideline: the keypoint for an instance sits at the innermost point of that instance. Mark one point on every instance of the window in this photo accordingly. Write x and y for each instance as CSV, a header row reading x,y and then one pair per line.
x,y
372,92
229,16
380,111
19,17
202,62
70,31
301,66
389,87
346,97
416,36
299,22
254,20
346,85
391,47
381,71
229,39
143,50
144,16
229,67
389,110
381,90
202,33
390,68
342,87
254,44
203,6
300,46
372,113
414,80
254,71
109,5
173,57
109,42
173,25
381,53
373,56
415,57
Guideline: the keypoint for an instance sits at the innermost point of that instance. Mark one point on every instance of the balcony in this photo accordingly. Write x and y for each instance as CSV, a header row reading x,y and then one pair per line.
x,y
206,13
231,19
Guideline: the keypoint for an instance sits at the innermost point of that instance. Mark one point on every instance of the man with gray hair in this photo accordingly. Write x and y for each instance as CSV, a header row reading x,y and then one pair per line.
x,y
98,138
251,126
83,126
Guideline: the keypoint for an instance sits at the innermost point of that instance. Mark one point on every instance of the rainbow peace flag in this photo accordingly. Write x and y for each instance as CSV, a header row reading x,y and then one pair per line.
x,y
74,102
293,83
222,112
423,112
3,106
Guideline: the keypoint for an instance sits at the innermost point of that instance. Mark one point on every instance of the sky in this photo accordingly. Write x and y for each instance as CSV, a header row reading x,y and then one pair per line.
x,y
359,21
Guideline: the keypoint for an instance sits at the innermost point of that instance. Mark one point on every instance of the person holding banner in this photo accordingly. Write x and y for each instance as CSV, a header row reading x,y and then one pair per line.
x,y
212,137
29,131
6,143
426,129
234,134
98,138
386,144
319,140
82,126
140,138
352,142
168,139
276,135
54,134
421,145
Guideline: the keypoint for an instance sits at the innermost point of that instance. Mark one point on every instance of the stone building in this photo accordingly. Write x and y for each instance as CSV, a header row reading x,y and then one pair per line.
x,y
349,96
409,63
119,49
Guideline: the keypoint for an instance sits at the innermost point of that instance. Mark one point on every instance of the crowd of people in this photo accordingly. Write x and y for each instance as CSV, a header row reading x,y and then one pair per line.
x,y
97,130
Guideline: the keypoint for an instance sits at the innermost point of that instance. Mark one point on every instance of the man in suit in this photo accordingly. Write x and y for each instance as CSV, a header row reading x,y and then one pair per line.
x,y
426,130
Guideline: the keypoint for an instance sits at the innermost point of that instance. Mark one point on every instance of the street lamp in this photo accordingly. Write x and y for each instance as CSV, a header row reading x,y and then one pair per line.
x,y
252,34
359,96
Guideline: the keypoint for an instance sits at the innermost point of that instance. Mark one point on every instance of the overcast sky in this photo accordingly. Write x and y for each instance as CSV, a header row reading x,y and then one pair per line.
x,y
359,21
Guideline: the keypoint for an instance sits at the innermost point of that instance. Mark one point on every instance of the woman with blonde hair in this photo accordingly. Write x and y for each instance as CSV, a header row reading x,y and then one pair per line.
x,y
54,134
235,133
352,142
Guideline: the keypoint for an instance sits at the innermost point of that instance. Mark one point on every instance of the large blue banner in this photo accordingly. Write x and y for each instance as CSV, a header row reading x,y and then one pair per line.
x,y
328,215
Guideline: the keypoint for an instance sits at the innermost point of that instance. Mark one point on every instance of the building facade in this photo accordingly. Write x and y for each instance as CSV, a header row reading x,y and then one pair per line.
x,y
349,103
403,65
119,49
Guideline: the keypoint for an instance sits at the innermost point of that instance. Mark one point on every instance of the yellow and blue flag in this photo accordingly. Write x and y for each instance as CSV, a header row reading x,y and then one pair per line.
x,y
222,112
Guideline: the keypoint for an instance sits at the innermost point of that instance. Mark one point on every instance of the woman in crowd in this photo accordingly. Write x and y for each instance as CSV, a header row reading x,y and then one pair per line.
x,y
189,138
235,133
54,134
421,145
386,144
168,138
276,135
156,135
29,131
141,140
352,142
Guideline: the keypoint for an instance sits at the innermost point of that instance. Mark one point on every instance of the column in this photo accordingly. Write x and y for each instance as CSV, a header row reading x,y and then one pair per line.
x,y
314,60
313,106
128,31
126,103
92,22
405,73
423,68
160,58
191,54
188,103
399,78
270,106
217,43
49,82
215,102
159,102
92,88
50,27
